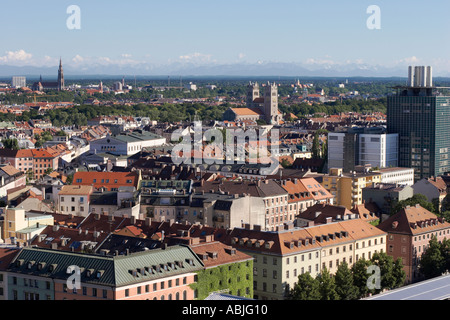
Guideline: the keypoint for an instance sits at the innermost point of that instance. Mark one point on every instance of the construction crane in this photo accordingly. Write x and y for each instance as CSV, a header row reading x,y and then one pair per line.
x,y
44,95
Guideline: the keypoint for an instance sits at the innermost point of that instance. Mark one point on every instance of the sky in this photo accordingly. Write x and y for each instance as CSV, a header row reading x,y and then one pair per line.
x,y
154,35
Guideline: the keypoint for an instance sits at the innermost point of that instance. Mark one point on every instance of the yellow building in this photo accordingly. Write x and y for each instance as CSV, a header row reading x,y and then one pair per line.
x,y
20,226
347,187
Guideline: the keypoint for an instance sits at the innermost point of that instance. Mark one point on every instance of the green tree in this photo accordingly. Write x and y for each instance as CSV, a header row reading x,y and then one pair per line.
x,y
419,199
285,163
392,273
445,251
11,143
327,285
306,288
345,287
316,149
360,277
432,262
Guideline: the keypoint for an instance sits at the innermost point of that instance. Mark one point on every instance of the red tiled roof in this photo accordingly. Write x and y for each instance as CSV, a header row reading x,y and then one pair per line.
x,y
6,257
413,220
106,179
217,253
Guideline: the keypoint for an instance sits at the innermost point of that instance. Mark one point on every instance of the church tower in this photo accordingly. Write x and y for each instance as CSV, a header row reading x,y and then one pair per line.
x,y
252,94
60,76
271,103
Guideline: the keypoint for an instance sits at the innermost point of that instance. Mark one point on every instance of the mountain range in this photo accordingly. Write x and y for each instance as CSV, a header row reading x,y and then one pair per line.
x,y
279,69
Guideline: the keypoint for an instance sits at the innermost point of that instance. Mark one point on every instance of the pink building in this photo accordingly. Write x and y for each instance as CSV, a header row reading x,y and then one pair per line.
x,y
409,233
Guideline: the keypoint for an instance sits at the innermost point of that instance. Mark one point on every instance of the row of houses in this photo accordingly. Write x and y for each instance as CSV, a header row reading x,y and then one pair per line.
x,y
267,263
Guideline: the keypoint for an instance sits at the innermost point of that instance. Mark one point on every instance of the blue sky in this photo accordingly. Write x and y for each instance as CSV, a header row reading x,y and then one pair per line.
x,y
316,34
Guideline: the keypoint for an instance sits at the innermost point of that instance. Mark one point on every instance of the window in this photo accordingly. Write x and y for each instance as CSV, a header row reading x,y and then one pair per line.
x,y
127,292
94,292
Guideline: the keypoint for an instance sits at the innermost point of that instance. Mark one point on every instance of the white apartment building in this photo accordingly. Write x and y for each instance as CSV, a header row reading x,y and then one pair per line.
x,y
74,200
355,147
18,82
395,175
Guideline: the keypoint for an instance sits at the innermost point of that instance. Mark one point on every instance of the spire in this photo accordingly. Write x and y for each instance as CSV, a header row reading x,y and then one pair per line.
x,y
60,76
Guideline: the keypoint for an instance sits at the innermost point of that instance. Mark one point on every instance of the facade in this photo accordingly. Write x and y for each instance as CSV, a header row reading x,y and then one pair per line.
x,y
386,195
74,200
18,82
401,176
107,181
6,256
34,162
418,114
20,226
126,143
304,193
434,189
159,274
226,270
347,187
280,257
10,178
362,146
409,233
43,160
274,199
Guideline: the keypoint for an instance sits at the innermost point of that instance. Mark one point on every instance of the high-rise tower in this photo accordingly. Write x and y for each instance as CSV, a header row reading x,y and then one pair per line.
x,y
252,93
271,103
60,76
420,114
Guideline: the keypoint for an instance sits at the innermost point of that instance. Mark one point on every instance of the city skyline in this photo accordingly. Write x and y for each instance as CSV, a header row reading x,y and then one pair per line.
x,y
229,38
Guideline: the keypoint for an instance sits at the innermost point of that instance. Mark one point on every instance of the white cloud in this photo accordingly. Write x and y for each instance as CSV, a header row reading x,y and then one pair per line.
x,y
14,57
196,57
78,59
126,55
408,60
241,56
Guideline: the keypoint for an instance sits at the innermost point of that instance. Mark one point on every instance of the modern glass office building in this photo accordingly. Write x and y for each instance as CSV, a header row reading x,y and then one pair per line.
x,y
420,114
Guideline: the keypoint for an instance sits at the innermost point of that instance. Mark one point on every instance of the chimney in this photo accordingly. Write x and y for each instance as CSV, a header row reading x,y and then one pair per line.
x,y
148,222
329,220
133,220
